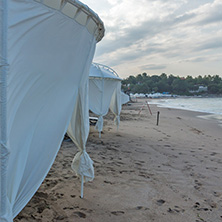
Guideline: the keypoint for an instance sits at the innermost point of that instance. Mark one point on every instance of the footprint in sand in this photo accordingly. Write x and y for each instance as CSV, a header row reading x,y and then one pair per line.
x,y
144,175
59,195
172,210
141,208
51,183
160,202
79,214
41,195
108,182
176,209
139,164
196,131
199,208
60,217
216,194
117,213
198,185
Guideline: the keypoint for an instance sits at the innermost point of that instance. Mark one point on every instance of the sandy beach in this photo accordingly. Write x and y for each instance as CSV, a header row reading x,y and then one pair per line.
x,y
166,173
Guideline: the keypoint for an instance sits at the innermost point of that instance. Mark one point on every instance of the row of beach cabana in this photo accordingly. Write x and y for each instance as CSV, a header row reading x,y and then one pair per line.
x,y
48,84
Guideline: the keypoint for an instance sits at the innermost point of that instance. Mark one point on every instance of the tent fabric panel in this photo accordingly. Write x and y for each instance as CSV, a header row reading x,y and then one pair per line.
x,y
79,12
124,98
78,130
45,73
4,151
100,94
115,104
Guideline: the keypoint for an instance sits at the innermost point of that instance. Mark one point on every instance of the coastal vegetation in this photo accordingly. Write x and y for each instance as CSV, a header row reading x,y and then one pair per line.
x,y
144,83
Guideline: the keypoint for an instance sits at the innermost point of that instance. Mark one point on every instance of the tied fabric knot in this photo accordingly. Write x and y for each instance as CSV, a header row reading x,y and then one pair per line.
x,y
82,165
117,120
99,124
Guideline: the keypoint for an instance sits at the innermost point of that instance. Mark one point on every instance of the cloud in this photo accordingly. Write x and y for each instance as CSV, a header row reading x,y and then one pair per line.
x,y
214,17
147,30
213,44
200,59
153,67
163,32
194,60
207,14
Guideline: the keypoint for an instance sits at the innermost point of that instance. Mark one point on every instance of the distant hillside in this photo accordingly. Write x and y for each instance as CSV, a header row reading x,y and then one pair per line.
x,y
189,85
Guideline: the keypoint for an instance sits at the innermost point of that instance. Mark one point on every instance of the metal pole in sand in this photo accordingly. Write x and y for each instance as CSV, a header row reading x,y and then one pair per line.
x,y
82,186
158,115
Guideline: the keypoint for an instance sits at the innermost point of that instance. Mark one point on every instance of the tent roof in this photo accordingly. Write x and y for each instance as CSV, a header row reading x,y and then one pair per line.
x,y
101,71
80,12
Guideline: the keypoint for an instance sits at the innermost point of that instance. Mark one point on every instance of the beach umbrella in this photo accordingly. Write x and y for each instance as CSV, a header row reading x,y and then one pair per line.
x,y
103,81
46,49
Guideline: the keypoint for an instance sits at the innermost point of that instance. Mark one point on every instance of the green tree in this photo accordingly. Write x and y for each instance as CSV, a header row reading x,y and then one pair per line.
x,y
132,80
155,78
214,88
180,86
144,83
162,86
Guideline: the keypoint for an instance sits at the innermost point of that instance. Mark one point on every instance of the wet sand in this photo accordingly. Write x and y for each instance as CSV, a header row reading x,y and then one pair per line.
x,y
166,173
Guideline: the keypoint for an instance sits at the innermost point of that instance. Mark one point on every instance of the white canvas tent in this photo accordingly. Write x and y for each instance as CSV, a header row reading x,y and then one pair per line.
x,y
46,48
103,81
103,84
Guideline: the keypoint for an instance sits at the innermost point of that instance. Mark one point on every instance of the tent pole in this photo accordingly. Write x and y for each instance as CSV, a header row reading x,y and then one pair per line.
x,y
82,185
3,105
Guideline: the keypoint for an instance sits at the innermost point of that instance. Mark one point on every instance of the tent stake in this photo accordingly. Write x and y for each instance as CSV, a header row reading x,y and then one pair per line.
x,y
82,185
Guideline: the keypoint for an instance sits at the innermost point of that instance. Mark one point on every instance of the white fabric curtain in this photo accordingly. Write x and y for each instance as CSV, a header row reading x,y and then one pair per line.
x,y
116,104
4,152
47,54
78,131
124,98
100,94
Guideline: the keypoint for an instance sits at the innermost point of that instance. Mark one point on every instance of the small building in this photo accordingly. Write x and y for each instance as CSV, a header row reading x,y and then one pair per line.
x,y
202,89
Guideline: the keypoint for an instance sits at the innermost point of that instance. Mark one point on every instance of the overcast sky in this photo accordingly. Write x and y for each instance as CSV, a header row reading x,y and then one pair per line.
x,y
179,37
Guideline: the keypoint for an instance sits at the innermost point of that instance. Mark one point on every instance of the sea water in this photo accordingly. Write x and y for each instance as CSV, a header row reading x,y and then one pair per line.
x,y
207,105
211,106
